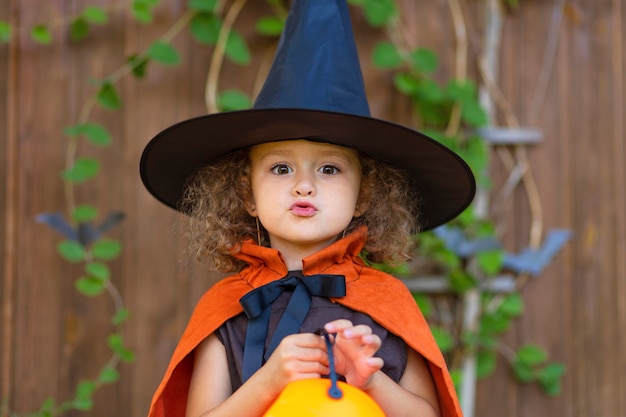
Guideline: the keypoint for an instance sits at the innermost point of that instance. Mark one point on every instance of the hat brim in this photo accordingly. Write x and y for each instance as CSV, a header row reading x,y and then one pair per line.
x,y
443,180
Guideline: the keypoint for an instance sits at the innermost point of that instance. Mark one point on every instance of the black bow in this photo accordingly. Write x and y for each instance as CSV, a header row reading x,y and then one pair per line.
x,y
257,305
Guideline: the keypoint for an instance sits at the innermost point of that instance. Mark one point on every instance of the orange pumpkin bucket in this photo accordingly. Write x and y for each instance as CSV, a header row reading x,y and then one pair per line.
x,y
323,397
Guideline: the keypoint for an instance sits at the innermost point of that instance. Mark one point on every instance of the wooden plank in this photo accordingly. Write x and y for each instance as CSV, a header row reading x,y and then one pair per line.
x,y
618,43
8,229
576,309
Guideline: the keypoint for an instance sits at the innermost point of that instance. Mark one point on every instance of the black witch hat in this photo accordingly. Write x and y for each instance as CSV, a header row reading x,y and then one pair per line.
x,y
314,90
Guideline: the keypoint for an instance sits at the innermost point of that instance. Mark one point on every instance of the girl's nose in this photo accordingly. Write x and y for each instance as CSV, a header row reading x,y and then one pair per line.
x,y
304,186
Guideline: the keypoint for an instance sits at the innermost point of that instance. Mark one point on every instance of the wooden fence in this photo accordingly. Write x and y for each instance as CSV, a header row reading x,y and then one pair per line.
x,y
52,337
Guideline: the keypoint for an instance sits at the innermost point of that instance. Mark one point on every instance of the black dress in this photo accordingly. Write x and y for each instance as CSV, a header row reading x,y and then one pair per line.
x,y
232,334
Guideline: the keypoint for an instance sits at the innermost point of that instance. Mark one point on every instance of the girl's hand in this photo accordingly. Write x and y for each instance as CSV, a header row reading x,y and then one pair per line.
x,y
298,356
354,351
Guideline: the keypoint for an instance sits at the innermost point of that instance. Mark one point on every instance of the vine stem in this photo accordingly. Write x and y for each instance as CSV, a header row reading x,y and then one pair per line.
x,y
115,295
548,60
460,32
471,299
167,37
70,158
210,95
507,353
518,170
11,220
62,21
88,106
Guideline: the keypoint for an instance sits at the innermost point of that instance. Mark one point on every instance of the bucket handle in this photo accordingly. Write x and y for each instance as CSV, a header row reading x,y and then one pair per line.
x,y
333,391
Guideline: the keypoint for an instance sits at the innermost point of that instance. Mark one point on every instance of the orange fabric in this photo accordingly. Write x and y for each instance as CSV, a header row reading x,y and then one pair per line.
x,y
379,295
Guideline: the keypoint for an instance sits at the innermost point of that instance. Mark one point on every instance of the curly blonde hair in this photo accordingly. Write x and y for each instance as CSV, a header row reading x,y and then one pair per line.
x,y
215,200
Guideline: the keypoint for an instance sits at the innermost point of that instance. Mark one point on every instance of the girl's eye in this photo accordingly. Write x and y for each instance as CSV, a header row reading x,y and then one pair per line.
x,y
281,169
329,170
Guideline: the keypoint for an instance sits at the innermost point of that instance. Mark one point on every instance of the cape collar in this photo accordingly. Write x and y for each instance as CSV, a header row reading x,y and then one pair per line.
x,y
340,258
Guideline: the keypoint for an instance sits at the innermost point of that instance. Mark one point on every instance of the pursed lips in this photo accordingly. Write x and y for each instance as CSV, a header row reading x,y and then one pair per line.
x,y
303,208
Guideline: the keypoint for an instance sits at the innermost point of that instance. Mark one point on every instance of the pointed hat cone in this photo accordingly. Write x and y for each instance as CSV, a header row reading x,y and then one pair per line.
x,y
314,90
316,65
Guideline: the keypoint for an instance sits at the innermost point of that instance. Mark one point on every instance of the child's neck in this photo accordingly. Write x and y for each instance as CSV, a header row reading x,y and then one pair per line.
x,y
293,254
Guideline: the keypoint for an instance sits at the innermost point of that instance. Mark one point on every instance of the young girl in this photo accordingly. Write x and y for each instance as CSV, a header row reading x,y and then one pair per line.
x,y
295,197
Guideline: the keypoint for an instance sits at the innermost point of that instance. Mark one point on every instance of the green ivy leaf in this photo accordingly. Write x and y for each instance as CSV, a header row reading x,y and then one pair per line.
x,y
424,60
127,355
550,378
97,134
424,304
71,251
531,355
379,12
90,286
84,213
138,65
94,132
41,34
434,116
82,404
485,363
106,249
397,270
512,305
523,372
83,169
231,100
269,26
115,342
85,389
490,261
237,49
108,97
164,53
457,377
551,371
461,281
95,14
79,29
141,11
552,388
449,260
444,339
117,345
406,83
46,407
429,92
462,91
476,154
473,114
386,56
494,323
205,28
487,340
202,5
121,315
98,270
5,31
108,375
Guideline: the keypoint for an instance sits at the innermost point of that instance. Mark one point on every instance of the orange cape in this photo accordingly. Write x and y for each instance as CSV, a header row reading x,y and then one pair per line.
x,y
384,298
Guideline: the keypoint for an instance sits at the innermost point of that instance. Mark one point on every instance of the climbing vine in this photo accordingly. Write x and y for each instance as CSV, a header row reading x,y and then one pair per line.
x,y
467,252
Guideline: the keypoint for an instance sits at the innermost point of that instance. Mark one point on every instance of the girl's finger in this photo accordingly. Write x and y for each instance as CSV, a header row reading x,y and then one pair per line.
x,y
357,331
371,344
338,325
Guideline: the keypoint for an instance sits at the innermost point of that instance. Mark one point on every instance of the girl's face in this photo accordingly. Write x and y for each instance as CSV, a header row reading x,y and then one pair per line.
x,y
304,193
